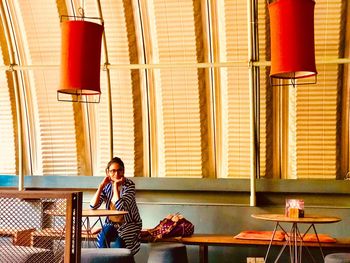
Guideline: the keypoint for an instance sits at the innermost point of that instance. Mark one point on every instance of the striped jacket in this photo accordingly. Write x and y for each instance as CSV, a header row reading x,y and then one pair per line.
x,y
130,229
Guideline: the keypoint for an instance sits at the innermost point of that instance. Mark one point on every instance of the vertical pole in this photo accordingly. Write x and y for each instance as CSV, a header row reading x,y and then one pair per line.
x,y
253,55
20,138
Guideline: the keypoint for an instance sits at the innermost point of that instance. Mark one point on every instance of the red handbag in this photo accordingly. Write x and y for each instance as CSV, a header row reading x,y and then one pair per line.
x,y
171,226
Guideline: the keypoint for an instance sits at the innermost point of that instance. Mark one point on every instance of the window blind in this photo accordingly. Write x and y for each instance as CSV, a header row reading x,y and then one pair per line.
x,y
7,126
263,80
122,85
316,105
235,91
54,141
176,90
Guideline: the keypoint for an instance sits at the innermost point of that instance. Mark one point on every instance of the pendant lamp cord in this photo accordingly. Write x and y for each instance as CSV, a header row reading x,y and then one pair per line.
x,y
81,9
81,12
293,82
72,6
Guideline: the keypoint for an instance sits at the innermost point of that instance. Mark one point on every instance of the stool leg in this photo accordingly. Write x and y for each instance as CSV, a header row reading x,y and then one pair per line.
x,y
203,254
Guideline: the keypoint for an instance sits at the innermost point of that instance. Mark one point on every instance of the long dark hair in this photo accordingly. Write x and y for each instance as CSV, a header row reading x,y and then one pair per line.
x,y
115,160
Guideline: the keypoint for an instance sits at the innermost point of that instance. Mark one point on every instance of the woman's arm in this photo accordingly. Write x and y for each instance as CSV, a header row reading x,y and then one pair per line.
x,y
128,197
96,200
117,185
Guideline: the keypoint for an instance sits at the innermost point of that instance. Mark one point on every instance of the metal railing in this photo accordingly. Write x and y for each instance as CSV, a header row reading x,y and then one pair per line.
x,y
40,226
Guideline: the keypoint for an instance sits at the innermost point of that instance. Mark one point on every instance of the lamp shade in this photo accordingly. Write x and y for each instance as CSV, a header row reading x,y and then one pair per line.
x,y
292,39
80,58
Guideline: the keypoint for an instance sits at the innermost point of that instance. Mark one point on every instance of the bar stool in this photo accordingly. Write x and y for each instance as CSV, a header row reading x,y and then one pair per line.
x,y
106,255
168,253
337,258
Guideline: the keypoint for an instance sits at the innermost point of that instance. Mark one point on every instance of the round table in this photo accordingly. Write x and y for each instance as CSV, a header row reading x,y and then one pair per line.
x,y
295,238
118,217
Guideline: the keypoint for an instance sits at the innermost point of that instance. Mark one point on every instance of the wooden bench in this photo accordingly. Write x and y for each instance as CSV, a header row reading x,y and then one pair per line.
x,y
40,237
43,238
24,254
205,240
20,237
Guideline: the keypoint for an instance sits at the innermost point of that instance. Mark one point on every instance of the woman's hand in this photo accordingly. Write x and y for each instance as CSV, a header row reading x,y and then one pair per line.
x,y
117,184
116,180
105,181
120,181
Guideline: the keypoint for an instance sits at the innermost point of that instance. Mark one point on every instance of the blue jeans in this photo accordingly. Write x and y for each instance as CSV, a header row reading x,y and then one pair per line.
x,y
107,235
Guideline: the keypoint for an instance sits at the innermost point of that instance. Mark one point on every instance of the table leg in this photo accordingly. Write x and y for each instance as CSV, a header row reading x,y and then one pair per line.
x,y
280,253
268,249
272,237
88,227
203,253
294,255
294,243
318,240
296,249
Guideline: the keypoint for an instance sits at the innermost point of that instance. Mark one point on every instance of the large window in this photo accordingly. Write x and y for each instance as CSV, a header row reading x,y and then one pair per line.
x,y
178,97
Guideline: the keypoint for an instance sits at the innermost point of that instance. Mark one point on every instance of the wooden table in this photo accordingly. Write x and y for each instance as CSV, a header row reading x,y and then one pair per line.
x,y
104,212
294,236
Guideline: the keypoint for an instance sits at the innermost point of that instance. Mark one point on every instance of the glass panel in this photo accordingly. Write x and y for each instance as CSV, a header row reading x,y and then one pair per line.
x,y
178,127
7,126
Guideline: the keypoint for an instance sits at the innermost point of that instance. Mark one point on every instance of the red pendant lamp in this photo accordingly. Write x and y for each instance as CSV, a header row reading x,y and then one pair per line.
x,y
292,39
80,61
